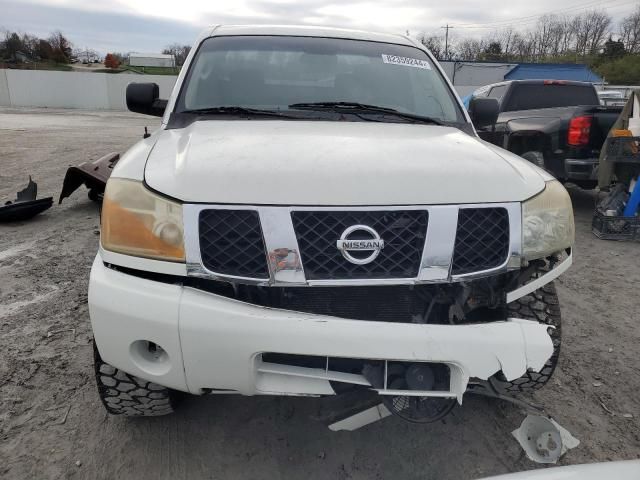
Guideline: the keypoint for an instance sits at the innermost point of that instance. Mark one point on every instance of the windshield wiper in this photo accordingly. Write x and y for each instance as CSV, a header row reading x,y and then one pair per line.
x,y
363,108
235,110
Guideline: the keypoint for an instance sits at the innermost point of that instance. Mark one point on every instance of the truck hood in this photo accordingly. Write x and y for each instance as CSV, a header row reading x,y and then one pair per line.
x,y
334,163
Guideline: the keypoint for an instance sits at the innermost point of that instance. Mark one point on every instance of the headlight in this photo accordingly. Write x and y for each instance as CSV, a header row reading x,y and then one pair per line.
x,y
138,222
547,222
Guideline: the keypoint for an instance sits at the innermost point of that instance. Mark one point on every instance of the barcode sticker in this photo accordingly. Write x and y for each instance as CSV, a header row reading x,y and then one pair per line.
x,y
406,61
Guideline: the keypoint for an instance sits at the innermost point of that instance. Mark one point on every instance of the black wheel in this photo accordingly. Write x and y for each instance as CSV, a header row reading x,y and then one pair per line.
x,y
93,195
124,394
543,306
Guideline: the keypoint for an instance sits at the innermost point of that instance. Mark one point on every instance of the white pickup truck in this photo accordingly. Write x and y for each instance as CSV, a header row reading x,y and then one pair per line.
x,y
316,215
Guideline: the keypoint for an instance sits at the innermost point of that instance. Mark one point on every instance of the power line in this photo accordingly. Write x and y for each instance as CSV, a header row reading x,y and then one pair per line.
x,y
582,6
505,23
533,18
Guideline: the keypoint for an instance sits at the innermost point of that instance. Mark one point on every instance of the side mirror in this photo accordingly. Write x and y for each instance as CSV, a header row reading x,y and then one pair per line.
x,y
143,98
483,111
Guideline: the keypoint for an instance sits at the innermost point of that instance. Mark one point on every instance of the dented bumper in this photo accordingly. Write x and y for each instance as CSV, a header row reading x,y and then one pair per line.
x,y
213,342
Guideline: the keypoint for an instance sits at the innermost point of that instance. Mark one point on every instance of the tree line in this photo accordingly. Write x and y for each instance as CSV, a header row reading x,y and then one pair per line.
x,y
19,48
590,37
613,50
15,47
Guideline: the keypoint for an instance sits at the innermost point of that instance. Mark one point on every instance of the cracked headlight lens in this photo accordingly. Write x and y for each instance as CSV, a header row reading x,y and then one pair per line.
x,y
136,221
547,222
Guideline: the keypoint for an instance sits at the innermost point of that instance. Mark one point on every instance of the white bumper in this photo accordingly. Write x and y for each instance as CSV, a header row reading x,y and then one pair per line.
x,y
213,342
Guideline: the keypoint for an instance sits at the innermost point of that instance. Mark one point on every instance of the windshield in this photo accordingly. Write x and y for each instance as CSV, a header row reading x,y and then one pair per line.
x,y
276,72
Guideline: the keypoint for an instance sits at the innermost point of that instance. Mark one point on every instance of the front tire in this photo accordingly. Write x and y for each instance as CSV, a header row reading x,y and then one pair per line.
x,y
543,306
128,395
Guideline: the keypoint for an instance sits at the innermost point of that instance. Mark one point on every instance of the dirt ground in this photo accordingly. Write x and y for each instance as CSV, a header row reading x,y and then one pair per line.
x,y
52,424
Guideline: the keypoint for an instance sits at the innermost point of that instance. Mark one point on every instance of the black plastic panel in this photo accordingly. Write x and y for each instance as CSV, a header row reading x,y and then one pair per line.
x,y
231,243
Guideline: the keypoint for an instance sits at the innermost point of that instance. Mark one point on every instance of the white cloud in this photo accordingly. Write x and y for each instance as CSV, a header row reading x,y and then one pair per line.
x,y
151,24
392,15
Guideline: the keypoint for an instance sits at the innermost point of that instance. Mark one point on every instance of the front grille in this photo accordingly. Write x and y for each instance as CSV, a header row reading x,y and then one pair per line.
x,y
231,243
403,232
397,303
482,240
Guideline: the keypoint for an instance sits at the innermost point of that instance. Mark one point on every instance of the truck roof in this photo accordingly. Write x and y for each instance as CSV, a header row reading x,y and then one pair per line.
x,y
307,31
538,81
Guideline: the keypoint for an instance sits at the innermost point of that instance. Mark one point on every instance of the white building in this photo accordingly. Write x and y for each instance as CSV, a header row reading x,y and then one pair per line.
x,y
151,60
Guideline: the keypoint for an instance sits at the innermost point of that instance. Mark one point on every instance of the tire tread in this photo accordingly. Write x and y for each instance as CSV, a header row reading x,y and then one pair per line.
x,y
128,395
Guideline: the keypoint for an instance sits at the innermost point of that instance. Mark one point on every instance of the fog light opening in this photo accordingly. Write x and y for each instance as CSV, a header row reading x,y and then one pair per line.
x,y
150,357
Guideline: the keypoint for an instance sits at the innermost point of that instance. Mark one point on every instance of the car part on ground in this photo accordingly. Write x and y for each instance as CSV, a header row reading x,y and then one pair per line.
x,y
543,440
92,174
25,206
609,221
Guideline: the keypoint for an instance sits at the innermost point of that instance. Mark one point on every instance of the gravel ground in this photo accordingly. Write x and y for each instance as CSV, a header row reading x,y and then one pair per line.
x,y
52,424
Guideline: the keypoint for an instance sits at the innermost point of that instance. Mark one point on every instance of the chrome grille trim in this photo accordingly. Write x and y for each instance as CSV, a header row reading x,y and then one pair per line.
x,y
284,261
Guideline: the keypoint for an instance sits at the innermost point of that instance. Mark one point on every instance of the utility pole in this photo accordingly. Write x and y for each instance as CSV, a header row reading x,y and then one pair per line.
x,y
446,41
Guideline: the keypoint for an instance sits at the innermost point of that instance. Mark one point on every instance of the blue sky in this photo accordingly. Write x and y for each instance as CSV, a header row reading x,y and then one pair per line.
x,y
149,25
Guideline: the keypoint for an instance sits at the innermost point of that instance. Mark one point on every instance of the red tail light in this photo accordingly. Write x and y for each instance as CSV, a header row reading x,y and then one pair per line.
x,y
578,133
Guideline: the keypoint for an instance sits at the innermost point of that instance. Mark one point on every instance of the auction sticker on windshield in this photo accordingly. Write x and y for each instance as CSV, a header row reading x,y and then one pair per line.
x,y
406,61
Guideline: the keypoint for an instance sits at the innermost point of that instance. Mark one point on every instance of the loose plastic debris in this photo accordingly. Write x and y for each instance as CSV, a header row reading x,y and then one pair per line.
x,y
543,440
361,419
25,206
93,174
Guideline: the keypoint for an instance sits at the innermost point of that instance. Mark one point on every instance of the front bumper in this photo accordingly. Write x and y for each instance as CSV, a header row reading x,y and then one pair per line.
x,y
581,169
215,343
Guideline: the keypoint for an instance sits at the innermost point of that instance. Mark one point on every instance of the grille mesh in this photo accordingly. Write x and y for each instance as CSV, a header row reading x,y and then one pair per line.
x,y
231,243
402,231
482,240
397,303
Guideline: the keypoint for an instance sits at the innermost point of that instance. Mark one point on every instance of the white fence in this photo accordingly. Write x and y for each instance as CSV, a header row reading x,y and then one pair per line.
x,y
90,91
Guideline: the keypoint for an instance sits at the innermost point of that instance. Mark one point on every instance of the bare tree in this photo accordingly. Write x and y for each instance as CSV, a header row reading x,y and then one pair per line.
x,y
470,49
507,38
62,48
11,45
566,34
44,50
630,32
544,36
29,45
552,37
434,44
591,30
178,51
85,55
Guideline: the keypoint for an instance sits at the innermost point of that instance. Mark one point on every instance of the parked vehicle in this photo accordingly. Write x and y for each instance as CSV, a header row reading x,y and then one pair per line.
x,y
612,97
317,215
555,124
